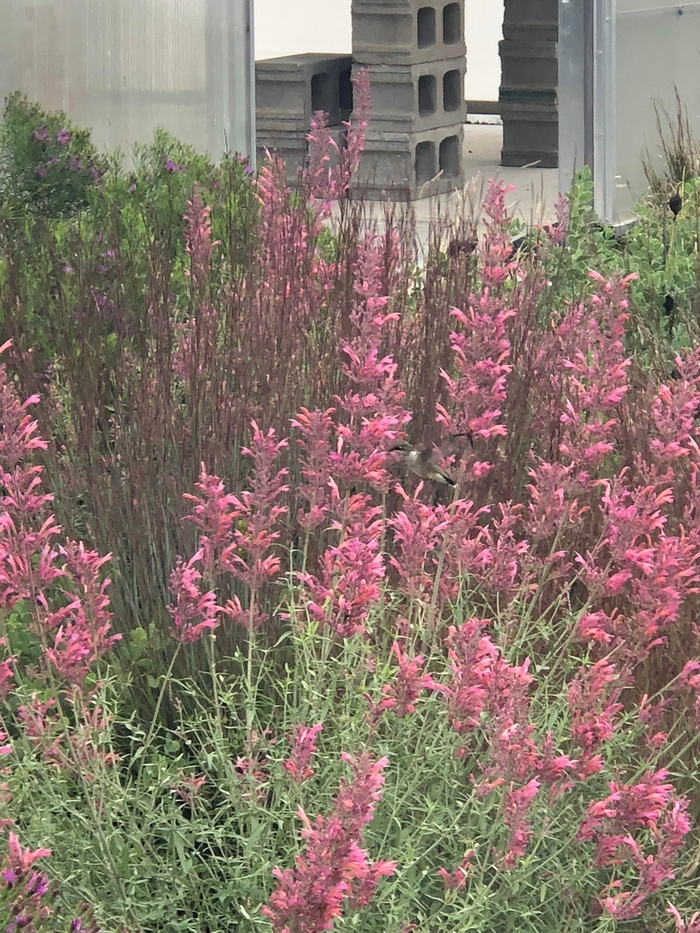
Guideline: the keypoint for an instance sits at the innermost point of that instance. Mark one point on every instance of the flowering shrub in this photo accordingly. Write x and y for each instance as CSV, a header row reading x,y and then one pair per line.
x,y
508,667
47,165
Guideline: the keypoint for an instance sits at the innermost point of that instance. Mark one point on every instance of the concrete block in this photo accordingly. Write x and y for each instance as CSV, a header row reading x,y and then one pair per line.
x,y
526,20
416,55
531,65
416,165
418,97
296,86
407,31
530,129
529,81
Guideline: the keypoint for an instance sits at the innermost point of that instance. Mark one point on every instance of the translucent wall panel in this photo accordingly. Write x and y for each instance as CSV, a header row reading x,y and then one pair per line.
x,y
573,96
657,47
125,67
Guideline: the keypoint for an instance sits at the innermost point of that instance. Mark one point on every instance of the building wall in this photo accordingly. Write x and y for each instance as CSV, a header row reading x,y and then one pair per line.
x,y
125,67
289,28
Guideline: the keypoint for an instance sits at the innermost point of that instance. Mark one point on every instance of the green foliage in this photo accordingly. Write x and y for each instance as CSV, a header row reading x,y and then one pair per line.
x,y
47,165
156,855
661,251
104,294
85,234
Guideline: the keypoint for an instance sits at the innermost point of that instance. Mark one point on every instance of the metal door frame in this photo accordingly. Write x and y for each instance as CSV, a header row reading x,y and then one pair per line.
x,y
586,97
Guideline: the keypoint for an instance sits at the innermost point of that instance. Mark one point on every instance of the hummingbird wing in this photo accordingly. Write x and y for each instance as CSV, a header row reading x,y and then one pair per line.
x,y
430,455
438,475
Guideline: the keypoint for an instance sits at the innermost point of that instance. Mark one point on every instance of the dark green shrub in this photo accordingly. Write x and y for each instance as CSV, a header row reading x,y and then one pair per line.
x,y
47,165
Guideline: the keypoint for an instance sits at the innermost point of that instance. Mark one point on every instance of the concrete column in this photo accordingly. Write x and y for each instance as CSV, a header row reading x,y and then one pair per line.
x,y
529,75
416,56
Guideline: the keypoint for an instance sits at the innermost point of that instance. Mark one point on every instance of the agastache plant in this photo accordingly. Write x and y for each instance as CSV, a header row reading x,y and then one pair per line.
x,y
334,872
61,583
24,891
199,245
615,823
691,926
401,695
331,168
238,532
248,557
75,632
598,379
373,406
477,386
26,895
303,747
315,428
348,583
193,611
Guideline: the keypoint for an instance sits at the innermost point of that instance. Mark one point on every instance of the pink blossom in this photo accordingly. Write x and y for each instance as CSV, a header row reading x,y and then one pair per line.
x,y
517,803
315,428
481,355
188,787
213,514
198,241
650,805
400,696
77,634
347,585
21,860
418,530
457,878
193,612
593,701
691,926
303,747
247,557
327,181
334,869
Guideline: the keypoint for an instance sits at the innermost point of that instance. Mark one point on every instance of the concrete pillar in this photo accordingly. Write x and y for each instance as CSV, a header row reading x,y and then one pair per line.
x,y
529,75
416,56
288,91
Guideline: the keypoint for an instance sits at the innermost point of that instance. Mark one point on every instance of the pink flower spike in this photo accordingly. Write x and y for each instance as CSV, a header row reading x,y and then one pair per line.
x,y
692,926
454,880
303,747
194,612
23,859
333,869
401,695
198,242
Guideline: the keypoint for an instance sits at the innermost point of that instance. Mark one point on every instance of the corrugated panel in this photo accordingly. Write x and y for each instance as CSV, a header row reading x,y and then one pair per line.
x,y
124,67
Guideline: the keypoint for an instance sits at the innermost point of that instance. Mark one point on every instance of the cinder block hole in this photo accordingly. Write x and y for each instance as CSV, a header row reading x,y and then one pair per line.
x,y
425,23
345,93
321,93
451,24
452,90
425,162
449,157
427,95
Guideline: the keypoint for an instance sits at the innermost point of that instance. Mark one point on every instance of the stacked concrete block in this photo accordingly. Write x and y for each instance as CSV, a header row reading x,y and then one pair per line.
x,y
288,91
416,56
529,75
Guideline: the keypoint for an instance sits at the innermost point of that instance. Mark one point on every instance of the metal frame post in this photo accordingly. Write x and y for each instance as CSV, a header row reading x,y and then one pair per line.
x,y
250,26
574,131
587,98
604,109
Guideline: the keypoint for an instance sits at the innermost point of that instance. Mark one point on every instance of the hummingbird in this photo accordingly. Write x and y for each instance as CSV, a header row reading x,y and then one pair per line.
x,y
424,462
